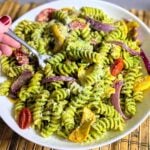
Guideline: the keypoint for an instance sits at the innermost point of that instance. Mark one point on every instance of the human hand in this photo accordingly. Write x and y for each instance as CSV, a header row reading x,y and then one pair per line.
x,y
6,42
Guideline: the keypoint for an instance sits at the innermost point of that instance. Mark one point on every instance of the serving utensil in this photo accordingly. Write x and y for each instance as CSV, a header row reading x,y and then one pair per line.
x,y
41,58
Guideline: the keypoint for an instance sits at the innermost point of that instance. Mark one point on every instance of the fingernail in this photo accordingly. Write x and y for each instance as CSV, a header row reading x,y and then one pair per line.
x,y
5,20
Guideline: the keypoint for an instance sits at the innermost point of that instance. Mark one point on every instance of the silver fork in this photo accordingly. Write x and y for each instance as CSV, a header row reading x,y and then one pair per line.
x,y
41,58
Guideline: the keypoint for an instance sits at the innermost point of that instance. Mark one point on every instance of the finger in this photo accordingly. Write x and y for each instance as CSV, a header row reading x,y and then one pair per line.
x,y
9,41
0,52
6,50
5,22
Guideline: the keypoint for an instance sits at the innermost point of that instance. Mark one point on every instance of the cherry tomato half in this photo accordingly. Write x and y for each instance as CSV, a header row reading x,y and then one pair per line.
x,y
21,57
76,24
25,118
45,15
117,67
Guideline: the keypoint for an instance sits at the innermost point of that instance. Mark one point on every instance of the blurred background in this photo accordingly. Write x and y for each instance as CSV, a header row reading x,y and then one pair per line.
x,y
138,4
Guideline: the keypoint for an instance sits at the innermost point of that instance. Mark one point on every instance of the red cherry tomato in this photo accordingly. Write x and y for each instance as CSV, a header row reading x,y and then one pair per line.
x,y
21,57
25,118
45,15
117,67
76,24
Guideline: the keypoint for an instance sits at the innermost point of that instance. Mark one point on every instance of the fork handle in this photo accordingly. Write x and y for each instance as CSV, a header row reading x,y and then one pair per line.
x,y
14,36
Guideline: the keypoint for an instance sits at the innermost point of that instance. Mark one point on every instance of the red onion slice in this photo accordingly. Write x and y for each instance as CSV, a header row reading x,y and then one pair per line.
x,y
57,78
115,98
124,46
97,25
146,61
20,81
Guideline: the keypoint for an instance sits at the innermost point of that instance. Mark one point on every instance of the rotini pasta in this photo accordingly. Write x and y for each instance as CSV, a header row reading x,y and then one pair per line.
x,y
80,73
4,87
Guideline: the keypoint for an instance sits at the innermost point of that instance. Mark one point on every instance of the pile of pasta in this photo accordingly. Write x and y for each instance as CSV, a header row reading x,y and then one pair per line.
x,y
85,52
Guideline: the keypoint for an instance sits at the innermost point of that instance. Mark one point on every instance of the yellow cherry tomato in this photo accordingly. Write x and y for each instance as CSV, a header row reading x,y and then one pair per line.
x,y
143,85
81,132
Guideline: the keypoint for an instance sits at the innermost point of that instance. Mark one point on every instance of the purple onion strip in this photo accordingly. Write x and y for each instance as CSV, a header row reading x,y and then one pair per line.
x,y
20,81
115,98
57,78
124,46
97,25
146,61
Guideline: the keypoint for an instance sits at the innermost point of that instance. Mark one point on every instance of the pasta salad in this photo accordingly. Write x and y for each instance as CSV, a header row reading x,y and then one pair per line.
x,y
90,84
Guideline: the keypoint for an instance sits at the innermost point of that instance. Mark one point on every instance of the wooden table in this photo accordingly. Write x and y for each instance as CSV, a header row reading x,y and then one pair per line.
x,y
9,140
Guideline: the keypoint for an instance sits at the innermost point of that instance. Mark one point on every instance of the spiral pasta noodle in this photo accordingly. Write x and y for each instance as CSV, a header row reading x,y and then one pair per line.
x,y
4,87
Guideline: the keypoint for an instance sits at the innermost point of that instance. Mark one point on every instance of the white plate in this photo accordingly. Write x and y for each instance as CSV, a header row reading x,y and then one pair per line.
x,y
53,142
